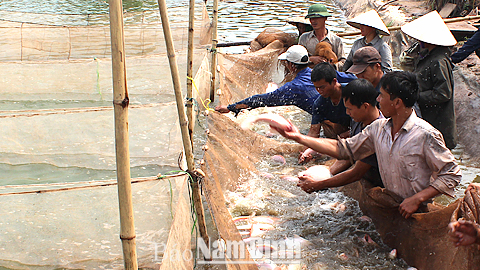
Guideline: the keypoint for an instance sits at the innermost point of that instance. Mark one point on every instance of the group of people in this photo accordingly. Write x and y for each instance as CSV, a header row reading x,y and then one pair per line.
x,y
394,129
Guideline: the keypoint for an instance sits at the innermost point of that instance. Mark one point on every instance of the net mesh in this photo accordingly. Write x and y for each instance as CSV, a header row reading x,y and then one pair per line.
x,y
58,133
76,225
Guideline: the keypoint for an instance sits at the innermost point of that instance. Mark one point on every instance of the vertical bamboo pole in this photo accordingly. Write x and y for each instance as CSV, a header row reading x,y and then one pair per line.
x,y
214,49
182,120
120,104
191,22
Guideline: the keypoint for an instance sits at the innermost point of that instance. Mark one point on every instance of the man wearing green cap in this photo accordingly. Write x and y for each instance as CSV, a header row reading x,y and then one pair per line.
x,y
317,14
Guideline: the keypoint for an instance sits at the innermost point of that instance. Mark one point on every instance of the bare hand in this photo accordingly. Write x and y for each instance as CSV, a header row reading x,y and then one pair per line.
x,y
409,206
309,185
306,156
463,233
222,109
291,134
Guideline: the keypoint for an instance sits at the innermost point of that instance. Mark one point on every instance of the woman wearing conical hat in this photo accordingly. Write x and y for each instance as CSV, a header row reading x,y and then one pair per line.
x,y
371,26
432,64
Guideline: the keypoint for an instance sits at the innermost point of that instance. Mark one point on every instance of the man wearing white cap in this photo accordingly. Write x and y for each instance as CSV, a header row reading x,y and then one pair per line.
x,y
299,92
433,67
371,26
318,14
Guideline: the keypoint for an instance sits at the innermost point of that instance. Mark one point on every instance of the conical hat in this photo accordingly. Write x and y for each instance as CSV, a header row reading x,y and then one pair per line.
x,y
372,19
430,28
298,19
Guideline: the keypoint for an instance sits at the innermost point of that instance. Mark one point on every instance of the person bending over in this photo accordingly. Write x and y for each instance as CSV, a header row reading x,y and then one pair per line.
x,y
359,97
413,161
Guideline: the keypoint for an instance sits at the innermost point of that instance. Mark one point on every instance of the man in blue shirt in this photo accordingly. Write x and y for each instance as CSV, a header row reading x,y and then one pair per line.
x,y
329,111
299,92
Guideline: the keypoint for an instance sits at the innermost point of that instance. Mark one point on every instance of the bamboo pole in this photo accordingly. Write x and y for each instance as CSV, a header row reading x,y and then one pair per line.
x,y
395,28
214,49
120,104
191,24
182,120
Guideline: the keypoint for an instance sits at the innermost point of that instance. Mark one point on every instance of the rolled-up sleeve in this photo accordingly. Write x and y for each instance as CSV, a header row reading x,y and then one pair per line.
x,y
357,147
447,174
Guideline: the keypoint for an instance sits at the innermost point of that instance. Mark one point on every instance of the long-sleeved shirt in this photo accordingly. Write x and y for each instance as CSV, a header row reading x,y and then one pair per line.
x,y
299,92
468,47
382,47
414,159
435,80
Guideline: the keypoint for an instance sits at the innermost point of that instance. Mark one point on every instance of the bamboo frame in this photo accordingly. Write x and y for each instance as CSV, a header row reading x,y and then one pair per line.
x,y
191,25
214,49
120,103
187,145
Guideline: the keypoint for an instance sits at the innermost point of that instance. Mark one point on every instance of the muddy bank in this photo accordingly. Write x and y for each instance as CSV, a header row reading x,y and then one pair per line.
x,y
467,88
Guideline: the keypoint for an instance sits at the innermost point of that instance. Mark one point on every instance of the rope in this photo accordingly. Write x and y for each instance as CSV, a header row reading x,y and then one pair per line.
x,y
37,112
102,183
206,106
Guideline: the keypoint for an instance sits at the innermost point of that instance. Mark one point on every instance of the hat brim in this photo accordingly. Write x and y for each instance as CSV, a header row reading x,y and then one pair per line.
x,y
298,19
318,15
357,25
283,56
357,69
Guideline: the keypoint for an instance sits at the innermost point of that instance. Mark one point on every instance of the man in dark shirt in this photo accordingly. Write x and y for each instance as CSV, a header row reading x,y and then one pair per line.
x,y
359,97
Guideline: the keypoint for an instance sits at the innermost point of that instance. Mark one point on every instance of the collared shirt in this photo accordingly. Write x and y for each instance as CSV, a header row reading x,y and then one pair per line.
x,y
382,47
310,41
414,159
299,92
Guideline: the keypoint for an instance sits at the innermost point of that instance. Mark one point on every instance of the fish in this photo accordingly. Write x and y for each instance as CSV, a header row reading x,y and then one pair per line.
x,y
257,219
278,159
393,254
365,219
274,120
317,172
289,178
368,240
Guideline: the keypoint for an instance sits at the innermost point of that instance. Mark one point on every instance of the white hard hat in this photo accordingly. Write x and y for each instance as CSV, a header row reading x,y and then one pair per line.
x,y
296,54
372,19
430,28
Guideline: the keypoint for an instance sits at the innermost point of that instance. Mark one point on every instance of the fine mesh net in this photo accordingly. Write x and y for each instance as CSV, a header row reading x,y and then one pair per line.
x,y
58,146
76,226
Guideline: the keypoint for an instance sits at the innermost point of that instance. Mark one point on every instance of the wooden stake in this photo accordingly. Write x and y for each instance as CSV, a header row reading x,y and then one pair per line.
x,y
191,24
394,28
187,145
120,104
214,49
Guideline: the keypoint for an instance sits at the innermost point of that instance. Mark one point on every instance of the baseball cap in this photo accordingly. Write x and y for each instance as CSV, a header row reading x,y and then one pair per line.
x,y
296,54
317,11
364,57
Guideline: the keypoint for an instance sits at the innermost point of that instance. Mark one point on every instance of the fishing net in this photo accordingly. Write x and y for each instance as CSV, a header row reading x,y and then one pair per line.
x,y
58,146
76,225
422,241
